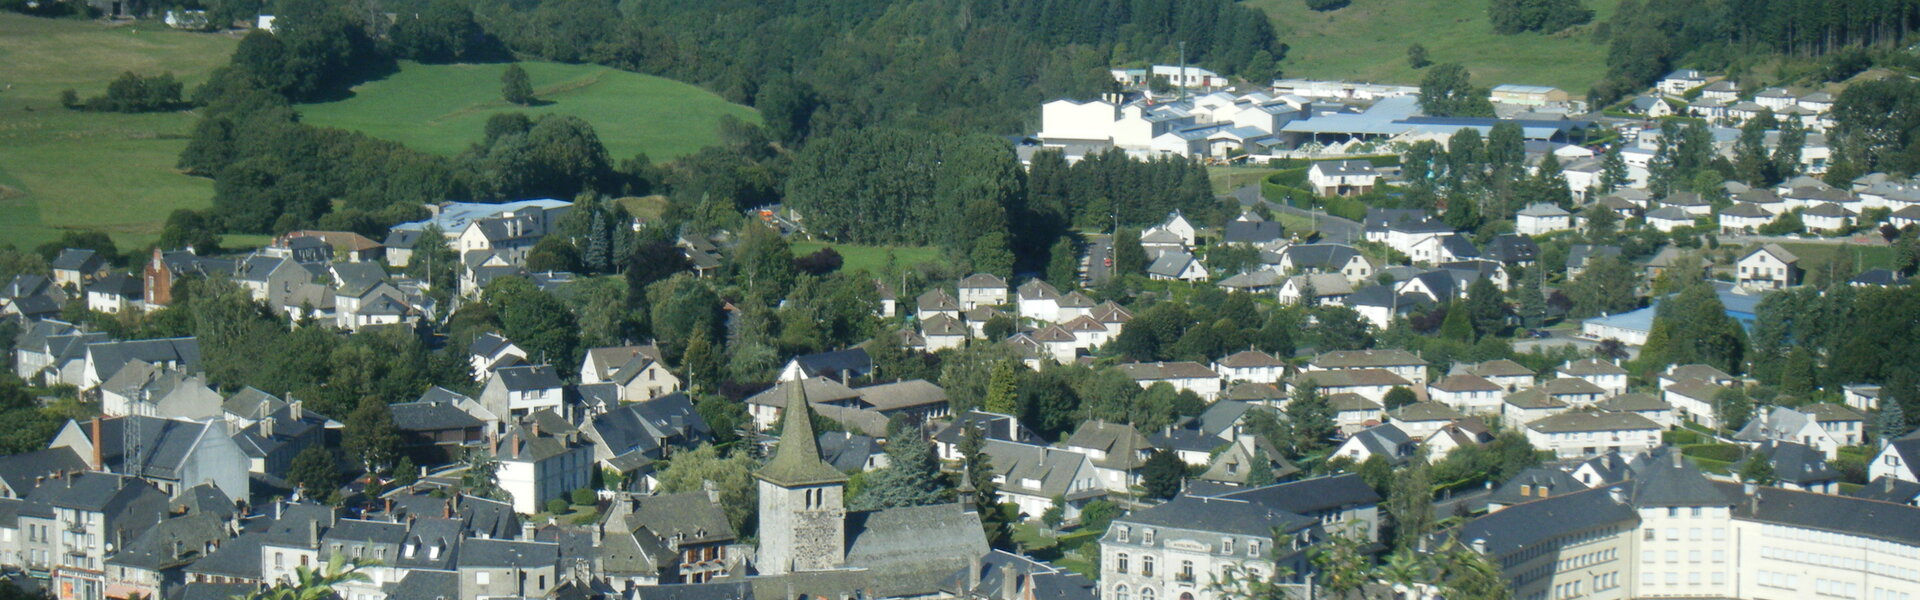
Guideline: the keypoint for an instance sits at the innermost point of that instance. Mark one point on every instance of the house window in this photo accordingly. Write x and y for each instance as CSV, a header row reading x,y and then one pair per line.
x,y
1226,545
1120,593
1186,571
1120,563
1253,548
1146,593
1146,569
1121,534
1146,536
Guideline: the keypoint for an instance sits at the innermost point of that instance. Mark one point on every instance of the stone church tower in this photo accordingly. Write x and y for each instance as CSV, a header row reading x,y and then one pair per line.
x,y
802,509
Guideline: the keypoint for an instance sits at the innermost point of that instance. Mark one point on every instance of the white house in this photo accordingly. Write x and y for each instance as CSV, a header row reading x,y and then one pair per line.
x,y
1578,434
1177,225
1182,375
1744,217
1177,265
1825,426
1039,301
1470,394
1386,440
1422,419
1678,82
1899,459
1609,376
1342,177
1693,399
1542,218
1189,76
1828,217
1405,364
982,289
537,467
1668,218
1768,267
1250,365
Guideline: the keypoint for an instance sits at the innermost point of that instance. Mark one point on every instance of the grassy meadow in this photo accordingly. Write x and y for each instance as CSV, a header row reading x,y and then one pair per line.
x,y
61,169
1367,41
444,108
872,258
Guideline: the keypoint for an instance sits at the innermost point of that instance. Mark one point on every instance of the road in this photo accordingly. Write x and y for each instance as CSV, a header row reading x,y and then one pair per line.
x,y
1097,266
1332,229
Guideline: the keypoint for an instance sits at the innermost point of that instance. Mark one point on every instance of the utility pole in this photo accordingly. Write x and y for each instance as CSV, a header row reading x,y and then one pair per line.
x,y
1183,70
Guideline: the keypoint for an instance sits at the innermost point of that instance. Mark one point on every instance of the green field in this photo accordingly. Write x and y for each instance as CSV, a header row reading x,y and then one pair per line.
x,y
444,108
1864,257
61,169
1367,41
872,258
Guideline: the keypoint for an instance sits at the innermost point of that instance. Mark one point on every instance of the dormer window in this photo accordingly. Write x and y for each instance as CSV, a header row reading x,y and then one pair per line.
x,y
408,550
1226,545
1120,535
1253,548
1146,536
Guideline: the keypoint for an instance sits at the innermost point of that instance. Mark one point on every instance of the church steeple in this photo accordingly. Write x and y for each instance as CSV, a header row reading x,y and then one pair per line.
x,y
796,461
802,508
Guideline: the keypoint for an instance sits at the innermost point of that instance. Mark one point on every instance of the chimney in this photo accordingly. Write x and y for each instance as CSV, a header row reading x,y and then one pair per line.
x,y
1009,583
536,429
266,428
713,491
313,533
514,443
973,574
526,531
294,410
99,461
1480,545
1616,495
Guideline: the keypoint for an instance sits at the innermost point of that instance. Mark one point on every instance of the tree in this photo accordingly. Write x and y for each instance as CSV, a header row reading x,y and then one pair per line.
x,y
1260,469
371,437
1326,5
515,86
1732,408
1485,307
1063,264
1417,56
1447,91
1605,286
1003,388
1129,258
1613,169
1399,396
1544,16
1758,470
703,363
1892,422
731,475
1458,326
1096,515
977,478
481,475
1312,419
912,475
1410,503
315,472
317,583
762,264
1532,297
1162,475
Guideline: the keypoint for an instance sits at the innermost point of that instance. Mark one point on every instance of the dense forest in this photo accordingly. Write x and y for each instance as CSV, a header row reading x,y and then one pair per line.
x,y
972,66
1648,39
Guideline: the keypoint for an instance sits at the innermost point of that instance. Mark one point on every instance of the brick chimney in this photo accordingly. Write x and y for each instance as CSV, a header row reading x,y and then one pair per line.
x,y
98,453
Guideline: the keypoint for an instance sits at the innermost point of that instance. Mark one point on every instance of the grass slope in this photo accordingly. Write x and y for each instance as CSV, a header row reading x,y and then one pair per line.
x,y
1367,41
873,259
110,172
444,108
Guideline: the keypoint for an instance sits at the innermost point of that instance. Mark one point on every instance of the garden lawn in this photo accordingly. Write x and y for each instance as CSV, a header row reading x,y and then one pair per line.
x,y
1866,257
872,258
1366,41
65,170
444,108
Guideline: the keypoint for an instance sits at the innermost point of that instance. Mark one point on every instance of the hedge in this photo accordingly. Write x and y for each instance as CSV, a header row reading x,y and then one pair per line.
x,y
1720,452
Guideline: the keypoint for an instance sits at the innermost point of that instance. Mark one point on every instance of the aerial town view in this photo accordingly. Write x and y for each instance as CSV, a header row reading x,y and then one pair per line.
x,y
959,299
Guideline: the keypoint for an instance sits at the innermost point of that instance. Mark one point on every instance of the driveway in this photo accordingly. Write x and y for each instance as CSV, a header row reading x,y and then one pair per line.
x,y
1333,229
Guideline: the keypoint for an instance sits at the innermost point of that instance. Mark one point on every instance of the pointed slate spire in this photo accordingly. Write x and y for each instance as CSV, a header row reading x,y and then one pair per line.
x,y
796,460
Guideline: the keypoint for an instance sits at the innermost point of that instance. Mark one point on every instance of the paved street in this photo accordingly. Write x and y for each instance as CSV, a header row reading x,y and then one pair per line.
x,y
1332,229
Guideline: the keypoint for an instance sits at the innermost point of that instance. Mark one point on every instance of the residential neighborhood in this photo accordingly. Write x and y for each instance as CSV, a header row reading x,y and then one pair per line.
x,y
908,300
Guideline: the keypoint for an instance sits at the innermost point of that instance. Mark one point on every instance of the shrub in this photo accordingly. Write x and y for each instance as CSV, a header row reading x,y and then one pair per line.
x,y
557,506
584,496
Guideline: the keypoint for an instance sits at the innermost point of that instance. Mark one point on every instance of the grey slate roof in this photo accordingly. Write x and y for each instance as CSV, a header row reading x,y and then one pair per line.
x,y
238,557
76,259
992,426
431,416
421,584
1048,583
1221,514
1529,524
19,471
1251,232
1890,489
1793,463
836,363
1666,479
847,451
528,377
1837,514
483,553
911,550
